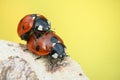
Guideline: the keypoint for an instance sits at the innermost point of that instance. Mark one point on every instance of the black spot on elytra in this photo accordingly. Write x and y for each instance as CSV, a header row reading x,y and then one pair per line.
x,y
23,27
37,48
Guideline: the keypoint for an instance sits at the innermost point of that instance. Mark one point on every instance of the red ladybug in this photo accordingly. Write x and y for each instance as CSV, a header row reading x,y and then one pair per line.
x,y
48,44
31,24
35,29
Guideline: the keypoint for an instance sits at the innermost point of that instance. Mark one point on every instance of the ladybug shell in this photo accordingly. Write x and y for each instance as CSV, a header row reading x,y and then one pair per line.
x,y
25,24
43,45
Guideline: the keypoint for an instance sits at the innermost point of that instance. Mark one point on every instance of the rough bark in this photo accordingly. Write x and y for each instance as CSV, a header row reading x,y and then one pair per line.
x,y
16,63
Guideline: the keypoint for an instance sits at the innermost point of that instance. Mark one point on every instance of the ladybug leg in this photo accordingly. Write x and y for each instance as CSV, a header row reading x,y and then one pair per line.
x,y
37,58
39,34
36,36
25,49
50,59
25,36
37,49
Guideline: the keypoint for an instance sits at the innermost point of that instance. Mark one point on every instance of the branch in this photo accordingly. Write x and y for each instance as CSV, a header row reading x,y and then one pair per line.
x,y
16,63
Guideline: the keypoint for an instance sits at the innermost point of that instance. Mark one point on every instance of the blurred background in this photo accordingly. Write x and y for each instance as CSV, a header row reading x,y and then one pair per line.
x,y
89,28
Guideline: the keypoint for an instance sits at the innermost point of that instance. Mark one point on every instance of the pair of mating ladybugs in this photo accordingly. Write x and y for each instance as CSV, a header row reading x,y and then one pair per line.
x,y
41,40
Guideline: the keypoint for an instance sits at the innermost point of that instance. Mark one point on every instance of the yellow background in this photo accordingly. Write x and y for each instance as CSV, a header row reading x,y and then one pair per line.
x,y
89,28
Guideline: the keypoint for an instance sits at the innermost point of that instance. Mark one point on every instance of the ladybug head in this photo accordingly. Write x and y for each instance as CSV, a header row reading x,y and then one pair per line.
x,y
58,51
41,24
32,23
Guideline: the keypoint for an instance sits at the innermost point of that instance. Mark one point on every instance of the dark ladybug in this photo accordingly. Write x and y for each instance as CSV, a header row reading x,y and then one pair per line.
x,y
32,23
48,44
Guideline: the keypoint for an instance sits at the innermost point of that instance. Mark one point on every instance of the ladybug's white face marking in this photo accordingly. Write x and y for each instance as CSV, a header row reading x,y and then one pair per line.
x,y
55,55
38,14
58,41
33,18
53,44
40,28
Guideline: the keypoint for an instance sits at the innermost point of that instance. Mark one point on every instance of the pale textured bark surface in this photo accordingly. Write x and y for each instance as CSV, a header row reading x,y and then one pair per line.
x,y
16,68
17,64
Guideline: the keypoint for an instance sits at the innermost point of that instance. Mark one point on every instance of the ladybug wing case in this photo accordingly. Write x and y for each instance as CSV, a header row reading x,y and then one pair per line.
x,y
38,46
48,43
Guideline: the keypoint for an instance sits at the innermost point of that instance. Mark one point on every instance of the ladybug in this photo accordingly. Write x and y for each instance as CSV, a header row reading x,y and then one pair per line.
x,y
35,29
32,23
48,44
